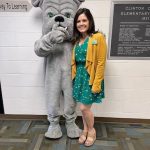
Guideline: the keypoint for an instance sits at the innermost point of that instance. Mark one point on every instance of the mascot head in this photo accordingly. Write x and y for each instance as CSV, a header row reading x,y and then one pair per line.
x,y
60,12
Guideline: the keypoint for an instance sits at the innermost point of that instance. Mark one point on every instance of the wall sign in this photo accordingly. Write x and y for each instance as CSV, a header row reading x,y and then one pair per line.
x,y
15,6
130,30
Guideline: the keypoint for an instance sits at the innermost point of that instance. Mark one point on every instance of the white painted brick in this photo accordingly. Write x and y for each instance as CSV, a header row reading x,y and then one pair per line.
x,y
112,106
22,80
119,94
128,68
133,95
127,82
102,24
20,24
23,92
123,82
136,107
22,67
98,108
18,53
98,8
141,83
24,106
14,39
119,82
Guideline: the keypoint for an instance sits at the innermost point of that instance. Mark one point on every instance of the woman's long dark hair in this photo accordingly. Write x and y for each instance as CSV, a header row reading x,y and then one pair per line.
x,y
76,33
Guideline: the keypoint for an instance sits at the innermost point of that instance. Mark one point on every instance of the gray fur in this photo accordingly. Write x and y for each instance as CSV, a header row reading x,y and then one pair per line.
x,y
36,3
56,47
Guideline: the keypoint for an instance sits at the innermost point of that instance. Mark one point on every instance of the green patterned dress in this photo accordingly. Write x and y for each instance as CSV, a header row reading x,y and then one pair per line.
x,y
81,89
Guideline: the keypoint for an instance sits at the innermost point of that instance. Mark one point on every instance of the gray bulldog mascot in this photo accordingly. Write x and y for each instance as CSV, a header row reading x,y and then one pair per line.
x,y
55,45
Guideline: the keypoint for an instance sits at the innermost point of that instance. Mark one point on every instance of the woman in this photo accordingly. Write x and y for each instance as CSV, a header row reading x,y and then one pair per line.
x,y
88,62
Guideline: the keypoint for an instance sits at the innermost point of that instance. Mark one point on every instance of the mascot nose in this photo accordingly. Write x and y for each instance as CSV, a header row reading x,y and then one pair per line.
x,y
59,19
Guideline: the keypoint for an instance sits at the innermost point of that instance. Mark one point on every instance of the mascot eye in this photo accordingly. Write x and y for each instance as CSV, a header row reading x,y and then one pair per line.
x,y
50,14
68,15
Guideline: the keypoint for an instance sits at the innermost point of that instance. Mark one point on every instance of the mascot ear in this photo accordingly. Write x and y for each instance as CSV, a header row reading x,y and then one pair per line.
x,y
37,3
79,1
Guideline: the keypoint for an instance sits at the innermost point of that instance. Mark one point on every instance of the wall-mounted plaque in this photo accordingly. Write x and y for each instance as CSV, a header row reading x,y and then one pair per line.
x,y
130,30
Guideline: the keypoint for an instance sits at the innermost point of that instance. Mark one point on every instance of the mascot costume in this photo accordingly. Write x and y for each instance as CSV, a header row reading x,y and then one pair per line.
x,y
55,45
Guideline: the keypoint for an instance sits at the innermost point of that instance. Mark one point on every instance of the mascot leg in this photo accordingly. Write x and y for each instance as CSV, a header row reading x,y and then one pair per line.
x,y
53,96
73,130
54,130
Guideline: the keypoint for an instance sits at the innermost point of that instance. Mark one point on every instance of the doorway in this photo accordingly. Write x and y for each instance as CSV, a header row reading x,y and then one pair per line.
x,y
1,101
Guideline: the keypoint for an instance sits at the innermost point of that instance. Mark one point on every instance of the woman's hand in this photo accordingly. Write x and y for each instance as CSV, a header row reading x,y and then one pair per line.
x,y
94,91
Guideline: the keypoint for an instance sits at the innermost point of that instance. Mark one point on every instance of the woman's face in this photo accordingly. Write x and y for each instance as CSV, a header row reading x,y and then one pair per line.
x,y
82,24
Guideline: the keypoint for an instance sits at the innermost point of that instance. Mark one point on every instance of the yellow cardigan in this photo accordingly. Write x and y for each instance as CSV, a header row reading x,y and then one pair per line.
x,y
95,61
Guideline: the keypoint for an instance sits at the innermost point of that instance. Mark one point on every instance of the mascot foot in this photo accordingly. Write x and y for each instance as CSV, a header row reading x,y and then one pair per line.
x,y
54,132
73,130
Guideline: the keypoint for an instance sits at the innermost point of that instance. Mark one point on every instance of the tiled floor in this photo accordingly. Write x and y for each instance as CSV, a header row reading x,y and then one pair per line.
x,y
29,135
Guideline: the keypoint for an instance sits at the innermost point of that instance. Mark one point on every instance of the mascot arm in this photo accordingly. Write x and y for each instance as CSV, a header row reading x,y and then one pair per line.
x,y
43,47
46,44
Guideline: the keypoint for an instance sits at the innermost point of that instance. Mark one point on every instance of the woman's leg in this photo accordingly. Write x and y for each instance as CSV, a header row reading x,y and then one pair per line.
x,y
85,127
84,133
88,121
87,115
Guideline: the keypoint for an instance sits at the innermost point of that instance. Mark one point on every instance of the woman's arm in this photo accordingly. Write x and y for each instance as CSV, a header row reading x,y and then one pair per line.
x,y
101,58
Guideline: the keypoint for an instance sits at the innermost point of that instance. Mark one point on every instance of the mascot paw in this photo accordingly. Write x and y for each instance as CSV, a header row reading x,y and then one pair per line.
x,y
73,130
54,132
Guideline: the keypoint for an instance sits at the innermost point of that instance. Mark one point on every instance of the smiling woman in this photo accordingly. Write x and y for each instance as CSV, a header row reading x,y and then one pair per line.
x,y
88,63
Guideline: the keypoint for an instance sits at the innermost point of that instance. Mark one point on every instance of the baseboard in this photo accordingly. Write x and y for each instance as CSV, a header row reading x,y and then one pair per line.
x,y
122,120
97,119
22,117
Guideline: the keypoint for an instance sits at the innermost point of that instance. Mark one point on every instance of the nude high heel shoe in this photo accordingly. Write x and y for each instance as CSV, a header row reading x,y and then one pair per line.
x,y
91,138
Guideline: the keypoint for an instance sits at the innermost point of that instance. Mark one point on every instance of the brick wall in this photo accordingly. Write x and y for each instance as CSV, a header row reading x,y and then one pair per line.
x,y
21,71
